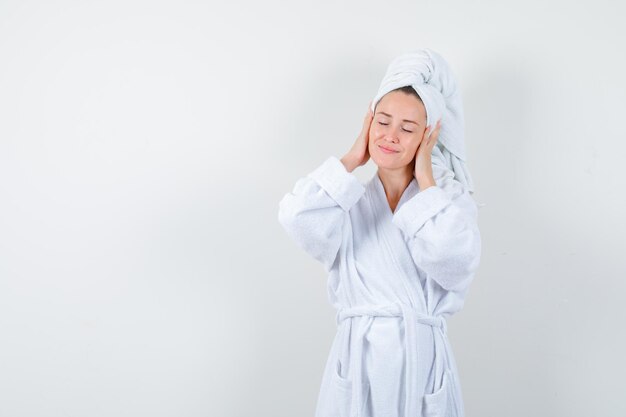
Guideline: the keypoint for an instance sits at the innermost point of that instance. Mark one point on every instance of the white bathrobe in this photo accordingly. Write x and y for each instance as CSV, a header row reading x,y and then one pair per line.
x,y
393,277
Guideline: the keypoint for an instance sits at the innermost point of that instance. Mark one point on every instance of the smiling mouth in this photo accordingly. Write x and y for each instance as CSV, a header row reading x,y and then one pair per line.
x,y
387,149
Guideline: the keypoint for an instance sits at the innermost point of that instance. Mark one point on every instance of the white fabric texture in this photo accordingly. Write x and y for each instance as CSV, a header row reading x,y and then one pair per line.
x,y
394,277
431,77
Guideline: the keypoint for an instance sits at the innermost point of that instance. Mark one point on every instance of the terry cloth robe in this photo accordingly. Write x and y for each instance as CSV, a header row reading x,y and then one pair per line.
x,y
394,277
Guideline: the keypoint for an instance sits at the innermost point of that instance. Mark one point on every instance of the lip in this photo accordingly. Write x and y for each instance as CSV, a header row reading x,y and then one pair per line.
x,y
386,150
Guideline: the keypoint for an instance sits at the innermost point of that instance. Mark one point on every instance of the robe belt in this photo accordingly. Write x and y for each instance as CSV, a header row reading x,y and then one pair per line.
x,y
412,318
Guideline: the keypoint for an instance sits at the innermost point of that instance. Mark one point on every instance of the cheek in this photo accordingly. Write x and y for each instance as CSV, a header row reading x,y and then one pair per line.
x,y
373,134
412,144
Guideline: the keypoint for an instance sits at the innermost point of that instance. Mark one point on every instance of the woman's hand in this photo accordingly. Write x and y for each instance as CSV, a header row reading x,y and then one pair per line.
x,y
423,163
359,154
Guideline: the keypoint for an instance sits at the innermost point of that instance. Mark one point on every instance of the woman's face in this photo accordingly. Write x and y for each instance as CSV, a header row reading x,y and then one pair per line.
x,y
399,123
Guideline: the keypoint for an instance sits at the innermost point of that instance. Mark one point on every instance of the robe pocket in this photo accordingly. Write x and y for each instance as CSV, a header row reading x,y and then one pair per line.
x,y
439,403
340,395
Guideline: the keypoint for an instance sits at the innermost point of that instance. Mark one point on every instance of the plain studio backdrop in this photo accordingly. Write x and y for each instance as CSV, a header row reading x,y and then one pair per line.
x,y
144,147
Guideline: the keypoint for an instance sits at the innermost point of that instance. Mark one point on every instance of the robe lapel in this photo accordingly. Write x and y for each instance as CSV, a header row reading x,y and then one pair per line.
x,y
395,242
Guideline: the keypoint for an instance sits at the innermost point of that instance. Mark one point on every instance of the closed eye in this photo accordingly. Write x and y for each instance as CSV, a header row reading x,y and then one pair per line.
x,y
387,124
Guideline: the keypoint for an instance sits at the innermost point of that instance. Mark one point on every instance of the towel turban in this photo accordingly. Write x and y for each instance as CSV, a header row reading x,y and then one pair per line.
x,y
430,76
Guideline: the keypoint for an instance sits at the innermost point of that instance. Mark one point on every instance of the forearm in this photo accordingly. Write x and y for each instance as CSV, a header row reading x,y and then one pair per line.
x,y
314,211
443,234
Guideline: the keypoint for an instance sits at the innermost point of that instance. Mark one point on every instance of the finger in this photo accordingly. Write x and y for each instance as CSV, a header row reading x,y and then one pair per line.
x,y
438,126
433,137
426,134
436,130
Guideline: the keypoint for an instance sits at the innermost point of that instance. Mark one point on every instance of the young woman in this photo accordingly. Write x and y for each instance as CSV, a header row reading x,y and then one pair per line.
x,y
401,251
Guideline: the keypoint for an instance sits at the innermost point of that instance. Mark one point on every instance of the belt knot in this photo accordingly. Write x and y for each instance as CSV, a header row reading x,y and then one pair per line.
x,y
390,310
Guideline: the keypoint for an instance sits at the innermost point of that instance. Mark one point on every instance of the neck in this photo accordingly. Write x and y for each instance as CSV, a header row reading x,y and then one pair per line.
x,y
395,182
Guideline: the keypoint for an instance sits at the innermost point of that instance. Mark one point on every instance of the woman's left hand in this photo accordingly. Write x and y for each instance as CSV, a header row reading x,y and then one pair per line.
x,y
423,163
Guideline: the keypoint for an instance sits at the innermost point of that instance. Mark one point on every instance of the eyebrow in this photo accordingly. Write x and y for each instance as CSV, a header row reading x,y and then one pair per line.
x,y
404,120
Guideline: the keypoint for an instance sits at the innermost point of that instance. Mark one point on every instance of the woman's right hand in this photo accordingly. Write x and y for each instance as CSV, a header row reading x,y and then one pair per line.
x,y
359,154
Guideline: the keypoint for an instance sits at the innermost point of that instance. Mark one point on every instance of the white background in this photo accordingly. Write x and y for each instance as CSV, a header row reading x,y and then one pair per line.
x,y
144,147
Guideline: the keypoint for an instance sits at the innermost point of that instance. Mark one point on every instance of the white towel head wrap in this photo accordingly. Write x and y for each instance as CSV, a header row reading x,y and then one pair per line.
x,y
430,76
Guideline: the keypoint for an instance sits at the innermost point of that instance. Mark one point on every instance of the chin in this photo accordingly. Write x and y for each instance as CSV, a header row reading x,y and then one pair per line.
x,y
385,161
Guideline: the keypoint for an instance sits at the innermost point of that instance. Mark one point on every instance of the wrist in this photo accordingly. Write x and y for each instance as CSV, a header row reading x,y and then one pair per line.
x,y
349,163
425,180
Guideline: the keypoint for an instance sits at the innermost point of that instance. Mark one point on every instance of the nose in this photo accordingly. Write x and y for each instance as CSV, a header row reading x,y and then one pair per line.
x,y
391,139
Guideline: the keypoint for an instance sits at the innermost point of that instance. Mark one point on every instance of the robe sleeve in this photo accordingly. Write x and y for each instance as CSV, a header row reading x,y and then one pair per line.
x,y
314,212
441,230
